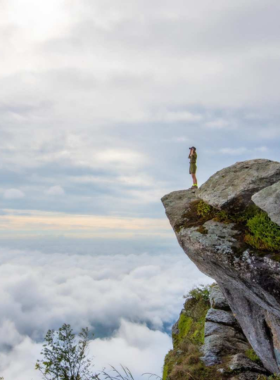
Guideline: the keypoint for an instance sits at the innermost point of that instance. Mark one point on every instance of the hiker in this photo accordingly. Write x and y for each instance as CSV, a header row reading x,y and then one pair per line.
x,y
193,157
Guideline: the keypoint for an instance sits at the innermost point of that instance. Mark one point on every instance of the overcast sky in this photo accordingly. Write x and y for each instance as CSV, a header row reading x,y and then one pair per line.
x,y
100,100
99,103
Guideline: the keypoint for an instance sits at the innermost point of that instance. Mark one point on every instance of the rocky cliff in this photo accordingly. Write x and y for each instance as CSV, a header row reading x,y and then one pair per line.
x,y
230,229
208,342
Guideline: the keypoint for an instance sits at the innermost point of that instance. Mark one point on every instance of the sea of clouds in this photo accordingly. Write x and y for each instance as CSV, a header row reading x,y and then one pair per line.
x,y
129,300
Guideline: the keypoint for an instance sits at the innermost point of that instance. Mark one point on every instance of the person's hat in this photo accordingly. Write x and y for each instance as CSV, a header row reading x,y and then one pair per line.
x,y
192,147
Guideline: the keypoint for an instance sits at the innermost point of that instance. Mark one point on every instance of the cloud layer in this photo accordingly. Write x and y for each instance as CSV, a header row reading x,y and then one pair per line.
x,y
129,300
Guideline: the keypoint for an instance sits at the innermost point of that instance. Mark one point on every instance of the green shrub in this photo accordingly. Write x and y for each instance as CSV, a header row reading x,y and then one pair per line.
x,y
264,234
203,209
183,362
200,292
222,216
258,230
192,319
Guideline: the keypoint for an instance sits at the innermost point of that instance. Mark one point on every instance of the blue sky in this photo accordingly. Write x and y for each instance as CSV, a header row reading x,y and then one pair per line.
x,y
99,103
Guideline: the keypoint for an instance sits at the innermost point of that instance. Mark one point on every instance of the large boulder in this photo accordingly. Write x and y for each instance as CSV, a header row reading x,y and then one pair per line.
x,y
234,186
249,279
268,200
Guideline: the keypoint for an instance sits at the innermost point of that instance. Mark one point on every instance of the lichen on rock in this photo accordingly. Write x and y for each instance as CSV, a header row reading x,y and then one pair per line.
x,y
235,242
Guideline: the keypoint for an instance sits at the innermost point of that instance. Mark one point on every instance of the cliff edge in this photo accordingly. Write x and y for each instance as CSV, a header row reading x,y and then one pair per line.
x,y
230,228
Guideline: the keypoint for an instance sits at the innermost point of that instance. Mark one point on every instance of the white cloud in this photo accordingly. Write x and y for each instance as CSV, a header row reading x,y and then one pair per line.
x,y
243,150
262,149
56,190
135,346
116,292
132,345
185,116
120,157
234,151
217,124
19,363
13,194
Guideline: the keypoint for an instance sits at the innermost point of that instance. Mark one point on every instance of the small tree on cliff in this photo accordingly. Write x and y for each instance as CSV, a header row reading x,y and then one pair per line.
x,y
65,357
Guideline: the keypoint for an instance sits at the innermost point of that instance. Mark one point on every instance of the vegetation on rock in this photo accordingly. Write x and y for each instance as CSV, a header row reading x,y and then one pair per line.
x,y
264,234
183,362
253,356
257,228
203,209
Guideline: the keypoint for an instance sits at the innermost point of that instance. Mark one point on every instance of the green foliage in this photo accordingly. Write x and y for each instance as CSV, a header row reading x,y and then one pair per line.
x,y
256,227
238,217
200,292
272,377
65,357
183,362
264,234
252,356
187,365
192,319
223,216
184,325
203,209
165,371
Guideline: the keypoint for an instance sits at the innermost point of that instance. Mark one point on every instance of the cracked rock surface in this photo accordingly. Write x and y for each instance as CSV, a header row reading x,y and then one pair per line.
x,y
249,281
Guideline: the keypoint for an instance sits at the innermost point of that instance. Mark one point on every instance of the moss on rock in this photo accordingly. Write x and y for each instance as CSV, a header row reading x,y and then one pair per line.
x,y
183,362
257,230
252,356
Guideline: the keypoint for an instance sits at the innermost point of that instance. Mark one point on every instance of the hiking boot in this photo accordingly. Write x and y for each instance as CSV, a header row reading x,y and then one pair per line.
x,y
193,188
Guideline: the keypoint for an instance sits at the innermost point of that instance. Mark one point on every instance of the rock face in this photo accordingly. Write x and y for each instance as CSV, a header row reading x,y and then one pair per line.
x,y
249,279
234,186
223,335
268,200
210,336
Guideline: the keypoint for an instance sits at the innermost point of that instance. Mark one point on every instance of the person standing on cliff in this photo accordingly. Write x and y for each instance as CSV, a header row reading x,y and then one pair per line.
x,y
193,167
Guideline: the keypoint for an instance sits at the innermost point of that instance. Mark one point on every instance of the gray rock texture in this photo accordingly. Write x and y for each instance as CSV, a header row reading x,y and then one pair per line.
x,y
240,362
212,328
268,200
217,346
223,336
221,316
249,281
234,186
217,299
